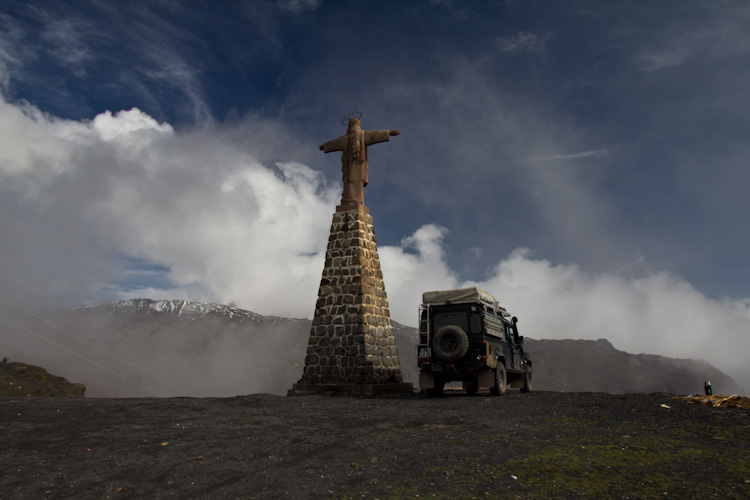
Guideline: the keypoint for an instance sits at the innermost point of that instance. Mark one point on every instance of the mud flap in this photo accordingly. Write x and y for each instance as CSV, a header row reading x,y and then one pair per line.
x,y
426,380
486,378
515,380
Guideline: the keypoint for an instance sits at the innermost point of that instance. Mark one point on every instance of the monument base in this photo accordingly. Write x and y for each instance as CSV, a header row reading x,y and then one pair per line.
x,y
352,348
362,390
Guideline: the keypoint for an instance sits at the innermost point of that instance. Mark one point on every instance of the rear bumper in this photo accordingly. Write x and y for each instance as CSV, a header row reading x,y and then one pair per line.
x,y
428,376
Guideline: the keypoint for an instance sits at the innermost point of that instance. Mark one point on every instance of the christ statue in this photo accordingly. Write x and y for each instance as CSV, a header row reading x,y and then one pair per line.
x,y
353,147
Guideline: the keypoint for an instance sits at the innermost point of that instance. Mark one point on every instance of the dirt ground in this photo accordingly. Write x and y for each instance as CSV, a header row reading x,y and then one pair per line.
x,y
538,445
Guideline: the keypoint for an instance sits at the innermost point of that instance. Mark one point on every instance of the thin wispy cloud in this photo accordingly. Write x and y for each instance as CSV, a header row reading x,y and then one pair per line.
x,y
722,35
299,6
12,50
70,42
654,61
567,156
522,42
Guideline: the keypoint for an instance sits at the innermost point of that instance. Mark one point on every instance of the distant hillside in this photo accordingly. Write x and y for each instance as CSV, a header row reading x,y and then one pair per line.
x,y
22,380
177,348
596,366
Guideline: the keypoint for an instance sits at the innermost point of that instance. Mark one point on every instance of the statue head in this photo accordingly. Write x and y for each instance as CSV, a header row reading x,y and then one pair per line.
x,y
352,120
354,125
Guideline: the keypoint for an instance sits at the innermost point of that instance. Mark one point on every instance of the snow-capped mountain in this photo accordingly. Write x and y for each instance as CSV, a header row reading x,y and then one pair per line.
x,y
190,309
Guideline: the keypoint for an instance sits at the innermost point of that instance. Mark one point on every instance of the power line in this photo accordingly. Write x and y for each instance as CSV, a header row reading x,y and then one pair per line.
x,y
100,252
82,356
42,294
85,342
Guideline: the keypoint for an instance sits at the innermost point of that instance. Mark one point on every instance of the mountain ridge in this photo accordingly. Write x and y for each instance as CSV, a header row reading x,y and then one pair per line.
x,y
185,348
188,307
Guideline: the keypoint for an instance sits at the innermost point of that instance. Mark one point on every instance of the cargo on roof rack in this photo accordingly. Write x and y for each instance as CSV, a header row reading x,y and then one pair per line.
x,y
471,294
463,296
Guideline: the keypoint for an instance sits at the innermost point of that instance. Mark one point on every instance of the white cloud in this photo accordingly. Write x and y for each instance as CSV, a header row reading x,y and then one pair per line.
x,y
124,123
227,227
658,313
416,266
28,137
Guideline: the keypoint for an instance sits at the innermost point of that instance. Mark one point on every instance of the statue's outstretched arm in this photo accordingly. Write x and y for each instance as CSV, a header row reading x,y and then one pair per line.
x,y
376,136
334,145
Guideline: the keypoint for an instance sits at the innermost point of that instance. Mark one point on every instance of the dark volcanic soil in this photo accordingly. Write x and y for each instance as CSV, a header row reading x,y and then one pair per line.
x,y
539,445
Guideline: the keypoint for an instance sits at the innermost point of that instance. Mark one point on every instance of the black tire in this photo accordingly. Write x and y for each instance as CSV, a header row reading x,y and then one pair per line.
x,y
471,387
450,343
528,380
501,380
437,390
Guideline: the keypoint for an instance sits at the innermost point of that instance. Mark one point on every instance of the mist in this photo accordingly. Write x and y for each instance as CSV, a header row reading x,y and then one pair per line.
x,y
142,352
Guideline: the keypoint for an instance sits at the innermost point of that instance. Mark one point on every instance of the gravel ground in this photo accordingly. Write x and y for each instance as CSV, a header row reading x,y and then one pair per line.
x,y
538,445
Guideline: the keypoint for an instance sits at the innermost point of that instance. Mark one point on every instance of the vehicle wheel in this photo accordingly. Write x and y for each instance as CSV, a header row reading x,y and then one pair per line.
x,y
450,343
471,387
437,390
500,381
528,380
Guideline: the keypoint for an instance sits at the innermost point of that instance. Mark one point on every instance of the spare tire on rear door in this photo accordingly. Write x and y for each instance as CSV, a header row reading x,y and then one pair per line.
x,y
450,343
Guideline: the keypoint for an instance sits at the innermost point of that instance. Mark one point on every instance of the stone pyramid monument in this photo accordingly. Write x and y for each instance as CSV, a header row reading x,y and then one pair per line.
x,y
352,350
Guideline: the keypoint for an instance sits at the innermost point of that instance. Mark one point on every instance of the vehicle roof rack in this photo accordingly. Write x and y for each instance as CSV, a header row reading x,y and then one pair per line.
x,y
459,296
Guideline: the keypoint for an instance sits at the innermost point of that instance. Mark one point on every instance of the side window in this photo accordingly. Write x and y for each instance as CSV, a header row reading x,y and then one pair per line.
x,y
509,332
476,324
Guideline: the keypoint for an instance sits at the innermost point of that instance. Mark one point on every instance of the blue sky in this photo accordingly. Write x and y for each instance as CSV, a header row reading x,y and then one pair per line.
x,y
579,156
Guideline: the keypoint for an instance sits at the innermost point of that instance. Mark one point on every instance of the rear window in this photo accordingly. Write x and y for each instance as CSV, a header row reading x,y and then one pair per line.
x,y
455,319
476,324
